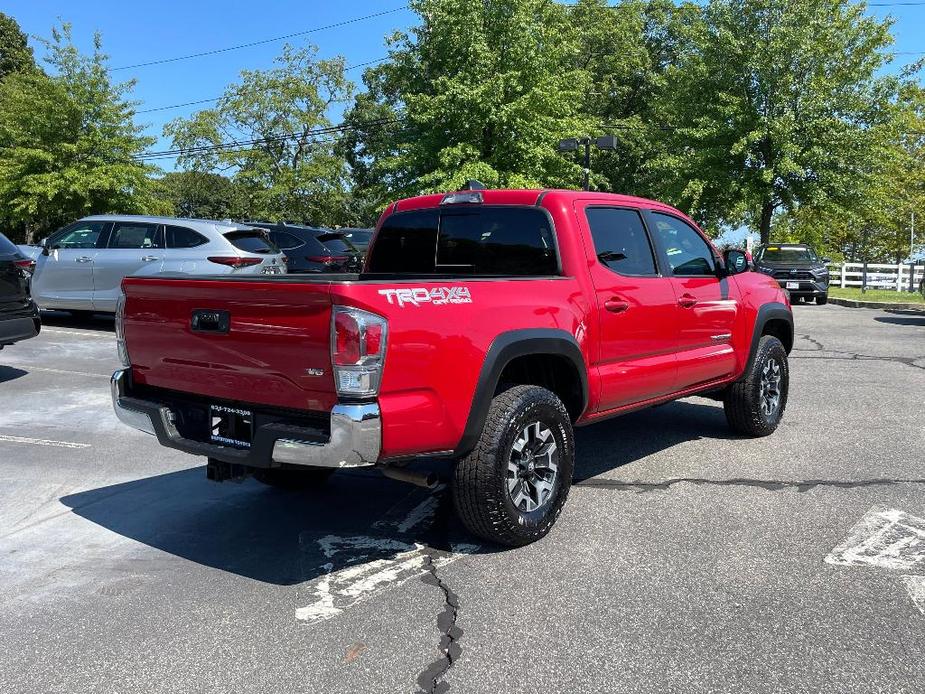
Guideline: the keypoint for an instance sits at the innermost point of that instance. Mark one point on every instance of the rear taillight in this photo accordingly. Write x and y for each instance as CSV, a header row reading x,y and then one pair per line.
x,y
234,261
120,331
327,259
358,344
27,266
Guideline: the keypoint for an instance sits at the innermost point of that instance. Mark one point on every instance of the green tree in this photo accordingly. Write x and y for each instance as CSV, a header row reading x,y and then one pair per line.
x,y
775,104
69,142
272,131
479,90
202,195
15,52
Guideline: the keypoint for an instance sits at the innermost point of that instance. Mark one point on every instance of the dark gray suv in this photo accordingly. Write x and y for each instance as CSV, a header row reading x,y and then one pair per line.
x,y
797,268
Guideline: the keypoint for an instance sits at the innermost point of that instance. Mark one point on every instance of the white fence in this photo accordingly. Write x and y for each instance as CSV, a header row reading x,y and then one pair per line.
x,y
879,276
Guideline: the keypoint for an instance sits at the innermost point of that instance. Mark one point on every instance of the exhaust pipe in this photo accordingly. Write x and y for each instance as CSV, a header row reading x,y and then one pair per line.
x,y
428,480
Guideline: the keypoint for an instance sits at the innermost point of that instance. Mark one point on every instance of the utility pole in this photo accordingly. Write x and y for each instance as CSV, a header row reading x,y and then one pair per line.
x,y
572,143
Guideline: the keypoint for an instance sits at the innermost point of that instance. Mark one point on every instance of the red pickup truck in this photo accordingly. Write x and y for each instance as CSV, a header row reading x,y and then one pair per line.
x,y
485,326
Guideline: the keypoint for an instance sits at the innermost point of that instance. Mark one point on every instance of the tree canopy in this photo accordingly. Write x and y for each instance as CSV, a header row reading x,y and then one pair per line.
x,y
69,142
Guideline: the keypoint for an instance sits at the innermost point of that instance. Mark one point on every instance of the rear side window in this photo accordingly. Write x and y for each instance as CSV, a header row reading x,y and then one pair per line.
x,y
512,241
134,235
252,242
285,241
688,254
182,237
6,246
620,240
337,243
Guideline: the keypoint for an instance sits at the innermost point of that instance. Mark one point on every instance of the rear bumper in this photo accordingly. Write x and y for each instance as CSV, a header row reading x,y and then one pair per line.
x,y
17,329
355,437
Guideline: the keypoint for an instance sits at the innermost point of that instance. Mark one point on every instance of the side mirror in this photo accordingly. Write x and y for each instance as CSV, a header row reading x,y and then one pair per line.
x,y
736,262
826,260
44,244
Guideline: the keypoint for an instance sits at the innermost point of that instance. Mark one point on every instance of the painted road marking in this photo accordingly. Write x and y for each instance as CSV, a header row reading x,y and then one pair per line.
x,y
43,442
887,539
78,333
371,565
916,587
29,367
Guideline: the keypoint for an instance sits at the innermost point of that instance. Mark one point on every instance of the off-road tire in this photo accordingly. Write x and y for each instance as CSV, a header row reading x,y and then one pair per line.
x,y
480,479
743,402
307,478
822,300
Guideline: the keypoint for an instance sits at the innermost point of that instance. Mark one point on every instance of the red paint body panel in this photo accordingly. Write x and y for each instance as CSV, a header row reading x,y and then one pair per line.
x,y
652,351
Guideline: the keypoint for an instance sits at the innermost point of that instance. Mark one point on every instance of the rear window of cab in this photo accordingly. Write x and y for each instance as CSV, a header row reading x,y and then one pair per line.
x,y
476,240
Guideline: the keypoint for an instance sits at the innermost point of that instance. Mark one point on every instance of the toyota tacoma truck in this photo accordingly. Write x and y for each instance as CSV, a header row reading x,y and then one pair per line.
x,y
486,325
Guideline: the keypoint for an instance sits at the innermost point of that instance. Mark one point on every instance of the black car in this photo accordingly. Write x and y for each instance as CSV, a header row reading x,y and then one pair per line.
x,y
797,268
360,238
313,249
19,317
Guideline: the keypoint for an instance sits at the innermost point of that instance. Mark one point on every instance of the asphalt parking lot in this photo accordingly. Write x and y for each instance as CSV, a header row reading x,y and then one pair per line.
x,y
686,560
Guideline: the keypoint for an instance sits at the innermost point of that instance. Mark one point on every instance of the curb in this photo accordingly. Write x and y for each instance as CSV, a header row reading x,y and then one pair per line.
x,y
853,303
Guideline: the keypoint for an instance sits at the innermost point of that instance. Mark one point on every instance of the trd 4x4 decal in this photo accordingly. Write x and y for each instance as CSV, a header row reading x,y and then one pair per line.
x,y
421,295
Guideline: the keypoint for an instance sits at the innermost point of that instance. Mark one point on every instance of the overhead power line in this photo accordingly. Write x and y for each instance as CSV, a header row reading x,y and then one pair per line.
x,y
262,41
248,144
216,98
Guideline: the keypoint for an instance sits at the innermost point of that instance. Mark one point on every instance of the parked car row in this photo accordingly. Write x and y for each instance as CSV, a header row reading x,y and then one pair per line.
x,y
80,268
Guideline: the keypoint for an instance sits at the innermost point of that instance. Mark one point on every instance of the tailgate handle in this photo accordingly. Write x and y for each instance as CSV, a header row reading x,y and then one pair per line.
x,y
210,321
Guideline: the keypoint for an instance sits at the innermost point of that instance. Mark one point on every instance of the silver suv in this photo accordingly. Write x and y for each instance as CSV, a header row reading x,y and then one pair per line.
x,y
80,267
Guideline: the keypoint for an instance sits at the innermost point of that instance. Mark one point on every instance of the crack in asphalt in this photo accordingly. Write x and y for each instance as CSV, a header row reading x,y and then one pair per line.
x,y
770,485
842,355
429,680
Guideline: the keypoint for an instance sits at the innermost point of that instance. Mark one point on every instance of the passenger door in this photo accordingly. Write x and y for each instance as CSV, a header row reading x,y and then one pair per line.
x,y
64,277
707,305
635,307
134,248
183,253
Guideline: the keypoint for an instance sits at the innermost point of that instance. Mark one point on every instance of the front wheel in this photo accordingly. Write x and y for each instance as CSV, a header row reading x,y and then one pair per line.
x,y
822,300
511,488
755,404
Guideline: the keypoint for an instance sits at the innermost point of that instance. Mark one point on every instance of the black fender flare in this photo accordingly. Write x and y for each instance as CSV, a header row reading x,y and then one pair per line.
x,y
503,349
768,312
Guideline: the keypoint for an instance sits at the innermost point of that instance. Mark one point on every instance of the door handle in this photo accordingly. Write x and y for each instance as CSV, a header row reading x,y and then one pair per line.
x,y
84,259
687,301
149,258
616,305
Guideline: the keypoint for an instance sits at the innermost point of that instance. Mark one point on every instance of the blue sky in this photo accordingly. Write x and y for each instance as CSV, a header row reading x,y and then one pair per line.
x,y
141,32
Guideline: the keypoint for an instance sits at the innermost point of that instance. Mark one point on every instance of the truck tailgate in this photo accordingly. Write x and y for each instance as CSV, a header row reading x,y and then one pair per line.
x,y
270,346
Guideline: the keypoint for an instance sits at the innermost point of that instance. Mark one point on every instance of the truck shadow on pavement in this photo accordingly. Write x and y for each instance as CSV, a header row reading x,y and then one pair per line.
x,y
9,373
286,538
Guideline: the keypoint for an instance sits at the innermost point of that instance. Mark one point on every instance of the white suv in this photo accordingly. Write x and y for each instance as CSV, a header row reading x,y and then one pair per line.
x,y
80,267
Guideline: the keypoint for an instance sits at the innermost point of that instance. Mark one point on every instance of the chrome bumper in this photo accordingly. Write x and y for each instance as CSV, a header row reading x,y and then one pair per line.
x,y
355,440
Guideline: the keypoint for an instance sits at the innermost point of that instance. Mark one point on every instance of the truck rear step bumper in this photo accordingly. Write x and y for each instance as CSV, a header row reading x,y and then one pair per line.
x,y
355,439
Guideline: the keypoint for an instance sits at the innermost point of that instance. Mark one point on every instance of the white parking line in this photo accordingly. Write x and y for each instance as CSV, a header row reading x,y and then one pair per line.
x,y
43,369
43,442
916,587
79,333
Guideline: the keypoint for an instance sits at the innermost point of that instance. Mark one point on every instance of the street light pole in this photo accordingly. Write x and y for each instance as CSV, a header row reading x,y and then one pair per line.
x,y
572,144
586,179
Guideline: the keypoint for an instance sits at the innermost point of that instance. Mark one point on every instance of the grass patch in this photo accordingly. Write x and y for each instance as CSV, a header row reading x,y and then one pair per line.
x,y
884,295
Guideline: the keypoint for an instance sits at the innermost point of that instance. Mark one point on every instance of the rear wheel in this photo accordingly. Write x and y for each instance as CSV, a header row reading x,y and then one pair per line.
x,y
755,405
293,479
511,488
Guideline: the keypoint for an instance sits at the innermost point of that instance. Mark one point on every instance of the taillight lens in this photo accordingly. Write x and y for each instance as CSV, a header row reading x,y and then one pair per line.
x,y
234,261
120,331
27,266
327,259
358,344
